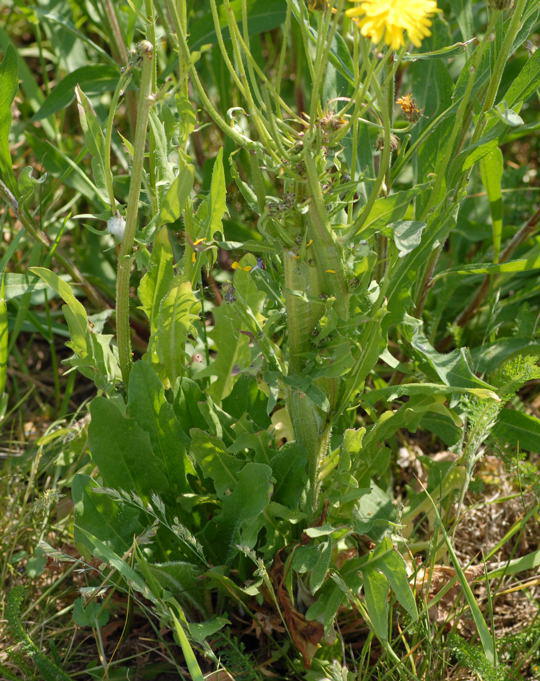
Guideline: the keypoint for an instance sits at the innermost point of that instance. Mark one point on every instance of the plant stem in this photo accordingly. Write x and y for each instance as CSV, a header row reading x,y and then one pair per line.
x,y
502,58
123,56
146,50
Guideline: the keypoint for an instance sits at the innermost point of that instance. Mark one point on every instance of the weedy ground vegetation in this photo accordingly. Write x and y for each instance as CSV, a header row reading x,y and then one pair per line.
x,y
269,340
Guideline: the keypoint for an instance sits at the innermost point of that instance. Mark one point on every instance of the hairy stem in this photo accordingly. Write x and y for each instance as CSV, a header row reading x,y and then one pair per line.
x,y
124,259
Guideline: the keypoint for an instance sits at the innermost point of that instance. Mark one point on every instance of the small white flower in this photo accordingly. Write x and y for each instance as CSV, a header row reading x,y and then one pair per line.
x,y
116,226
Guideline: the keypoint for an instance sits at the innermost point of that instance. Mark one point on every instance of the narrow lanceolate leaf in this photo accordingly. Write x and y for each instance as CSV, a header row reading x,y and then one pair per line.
x,y
393,567
3,335
483,631
491,171
123,451
218,197
510,267
376,591
177,311
95,142
8,88
525,83
77,318
94,79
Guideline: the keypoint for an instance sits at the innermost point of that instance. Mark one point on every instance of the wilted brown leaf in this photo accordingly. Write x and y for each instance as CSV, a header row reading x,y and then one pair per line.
x,y
305,634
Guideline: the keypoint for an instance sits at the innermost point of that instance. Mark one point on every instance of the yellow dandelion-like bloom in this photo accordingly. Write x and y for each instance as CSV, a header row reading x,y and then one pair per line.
x,y
389,19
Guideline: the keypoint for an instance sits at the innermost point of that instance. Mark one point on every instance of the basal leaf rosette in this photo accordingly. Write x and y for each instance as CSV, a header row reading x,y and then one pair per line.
x,y
389,20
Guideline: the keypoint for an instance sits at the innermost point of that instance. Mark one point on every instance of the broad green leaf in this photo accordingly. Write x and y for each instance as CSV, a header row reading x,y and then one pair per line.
x,y
387,210
9,84
156,282
376,593
491,171
172,204
93,79
148,406
443,425
432,87
346,583
182,579
111,521
407,235
519,430
371,341
464,15
407,273
215,463
374,456
289,470
91,614
373,512
313,559
123,451
17,284
177,312
318,572
241,516
100,364
452,368
200,631
233,353
187,397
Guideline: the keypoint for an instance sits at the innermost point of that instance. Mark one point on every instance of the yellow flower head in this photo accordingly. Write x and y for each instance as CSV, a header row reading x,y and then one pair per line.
x,y
389,19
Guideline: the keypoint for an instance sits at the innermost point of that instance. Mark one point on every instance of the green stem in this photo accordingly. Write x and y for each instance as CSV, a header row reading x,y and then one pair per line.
x,y
386,116
146,49
500,63
180,40
122,83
